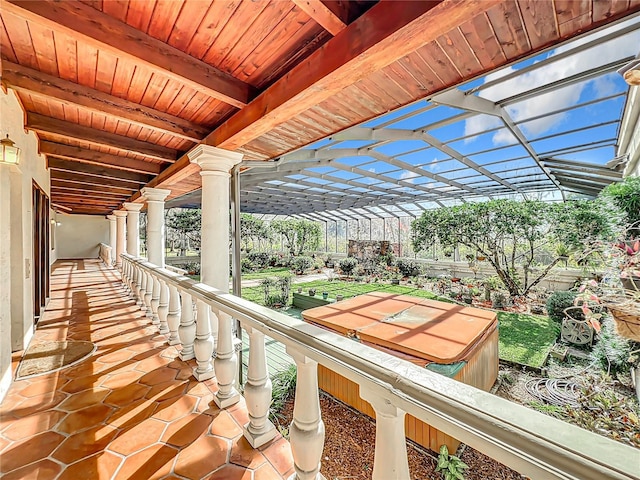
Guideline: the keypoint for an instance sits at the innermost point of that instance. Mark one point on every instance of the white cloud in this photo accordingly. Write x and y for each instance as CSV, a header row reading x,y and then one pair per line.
x,y
626,45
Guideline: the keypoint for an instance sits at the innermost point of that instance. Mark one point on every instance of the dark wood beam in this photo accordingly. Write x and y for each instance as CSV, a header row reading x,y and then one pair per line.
x,y
57,193
322,15
82,179
84,155
384,34
95,170
69,185
46,86
85,203
86,24
62,128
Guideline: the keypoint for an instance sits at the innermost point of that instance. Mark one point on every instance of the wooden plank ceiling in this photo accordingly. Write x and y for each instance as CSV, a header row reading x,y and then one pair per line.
x,y
118,91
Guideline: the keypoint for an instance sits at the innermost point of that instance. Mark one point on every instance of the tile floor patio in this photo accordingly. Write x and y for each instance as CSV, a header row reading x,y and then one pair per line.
x,y
130,411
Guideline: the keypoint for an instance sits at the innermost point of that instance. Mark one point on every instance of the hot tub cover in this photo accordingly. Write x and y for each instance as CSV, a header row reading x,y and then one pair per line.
x,y
434,331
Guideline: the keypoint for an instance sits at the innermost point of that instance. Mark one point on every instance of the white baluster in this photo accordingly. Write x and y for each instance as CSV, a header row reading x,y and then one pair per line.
x,y
306,433
134,281
148,293
173,315
140,285
257,392
163,307
155,301
125,275
226,363
187,329
390,461
203,344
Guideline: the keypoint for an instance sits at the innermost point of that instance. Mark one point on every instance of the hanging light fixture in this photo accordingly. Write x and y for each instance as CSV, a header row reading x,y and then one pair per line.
x,y
10,153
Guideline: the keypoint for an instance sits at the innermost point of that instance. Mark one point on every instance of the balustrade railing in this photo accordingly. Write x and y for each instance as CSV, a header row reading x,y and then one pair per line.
x,y
534,444
106,254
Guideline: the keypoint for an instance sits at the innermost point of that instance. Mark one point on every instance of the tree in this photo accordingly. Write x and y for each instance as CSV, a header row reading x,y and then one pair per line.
x,y
252,230
186,225
299,235
510,234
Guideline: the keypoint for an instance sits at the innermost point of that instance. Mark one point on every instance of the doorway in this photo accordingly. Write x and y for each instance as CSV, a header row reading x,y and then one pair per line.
x,y
40,250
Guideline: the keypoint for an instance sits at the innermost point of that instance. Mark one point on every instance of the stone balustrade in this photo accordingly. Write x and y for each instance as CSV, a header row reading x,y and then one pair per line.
x,y
106,254
534,444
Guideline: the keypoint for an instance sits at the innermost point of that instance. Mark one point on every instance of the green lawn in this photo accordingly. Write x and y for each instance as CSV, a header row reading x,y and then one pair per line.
x,y
269,272
523,339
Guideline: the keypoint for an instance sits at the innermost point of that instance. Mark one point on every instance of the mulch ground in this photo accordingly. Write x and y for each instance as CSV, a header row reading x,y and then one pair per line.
x,y
350,445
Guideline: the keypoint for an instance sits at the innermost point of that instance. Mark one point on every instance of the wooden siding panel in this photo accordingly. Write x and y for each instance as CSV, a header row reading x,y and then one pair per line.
x,y
271,18
603,10
5,43
154,89
455,45
105,71
420,70
139,81
139,14
540,22
239,27
208,30
165,15
440,63
18,32
87,64
507,24
66,56
481,38
116,9
122,79
572,15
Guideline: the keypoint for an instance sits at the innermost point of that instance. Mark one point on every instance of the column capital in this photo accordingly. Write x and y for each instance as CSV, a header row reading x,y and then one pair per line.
x,y
214,159
120,213
154,194
111,217
133,207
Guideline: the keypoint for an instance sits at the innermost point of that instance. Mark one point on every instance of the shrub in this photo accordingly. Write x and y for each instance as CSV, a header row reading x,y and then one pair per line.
x,y
283,386
557,302
348,265
407,268
246,265
259,259
612,351
301,263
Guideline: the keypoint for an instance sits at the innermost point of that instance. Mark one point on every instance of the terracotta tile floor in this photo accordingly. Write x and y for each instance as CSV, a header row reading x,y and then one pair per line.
x,y
130,411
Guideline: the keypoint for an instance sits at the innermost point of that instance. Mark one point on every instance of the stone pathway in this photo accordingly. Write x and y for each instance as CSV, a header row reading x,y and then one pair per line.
x,y
130,411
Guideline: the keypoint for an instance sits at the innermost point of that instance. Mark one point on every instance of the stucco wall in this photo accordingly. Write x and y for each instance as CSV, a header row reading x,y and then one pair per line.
x,y
16,238
79,236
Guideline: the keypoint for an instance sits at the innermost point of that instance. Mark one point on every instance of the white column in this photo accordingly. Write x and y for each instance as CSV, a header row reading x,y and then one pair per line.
x,y
121,216
306,433
390,461
257,392
155,224
215,164
112,236
133,227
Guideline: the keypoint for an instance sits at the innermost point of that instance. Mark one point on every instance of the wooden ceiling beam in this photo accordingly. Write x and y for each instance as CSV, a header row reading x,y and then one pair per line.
x,y
93,157
46,86
84,190
57,193
85,202
385,33
76,186
322,15
82,179
381,36
43,124
87,24
54,163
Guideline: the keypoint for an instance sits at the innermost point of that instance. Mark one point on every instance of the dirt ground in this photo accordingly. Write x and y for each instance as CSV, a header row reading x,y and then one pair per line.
x,y
350,444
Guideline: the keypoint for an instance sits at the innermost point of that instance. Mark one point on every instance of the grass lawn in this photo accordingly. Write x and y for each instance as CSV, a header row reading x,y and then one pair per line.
x,y
523,339
269,272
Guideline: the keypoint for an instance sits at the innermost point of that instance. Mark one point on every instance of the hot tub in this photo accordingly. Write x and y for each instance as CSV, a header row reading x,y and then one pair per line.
x,y
457,341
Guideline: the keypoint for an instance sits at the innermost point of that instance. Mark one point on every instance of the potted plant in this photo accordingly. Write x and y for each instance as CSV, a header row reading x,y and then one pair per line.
x,y
498,300
312,292
325,295
625,196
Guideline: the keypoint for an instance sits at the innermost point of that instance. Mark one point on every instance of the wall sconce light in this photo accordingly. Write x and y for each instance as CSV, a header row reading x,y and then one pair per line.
x,y
631,72
10,153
